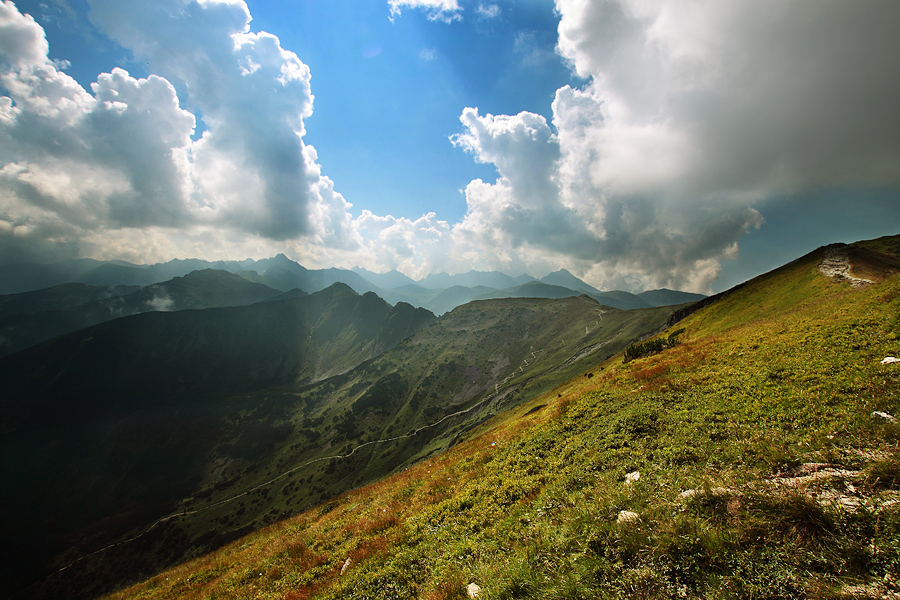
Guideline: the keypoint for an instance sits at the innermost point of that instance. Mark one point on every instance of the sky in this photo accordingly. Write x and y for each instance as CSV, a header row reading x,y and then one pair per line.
x,y
687,144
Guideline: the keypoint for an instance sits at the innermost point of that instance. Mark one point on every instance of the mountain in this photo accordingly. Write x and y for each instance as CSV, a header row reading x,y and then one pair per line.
x,y
284,274
754,456
236,417
664,297
621,299
105,428
18,278
457,295
390,280
532,289
60,297
540,289
565,279
412,294
491,279
69,307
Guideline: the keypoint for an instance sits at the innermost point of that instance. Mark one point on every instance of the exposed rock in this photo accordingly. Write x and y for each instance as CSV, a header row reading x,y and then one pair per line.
x,y
836,263
626,516
346,565
632,477
473,590
687,494
884,415
889,359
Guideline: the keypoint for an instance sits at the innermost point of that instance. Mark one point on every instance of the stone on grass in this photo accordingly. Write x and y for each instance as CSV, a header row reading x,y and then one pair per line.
x,y
473,590
687,494
889,359
632,477
884,415
626,516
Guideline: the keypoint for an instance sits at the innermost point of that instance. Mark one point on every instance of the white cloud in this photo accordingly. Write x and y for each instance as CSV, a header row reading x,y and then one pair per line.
x,y
545,210
427,54
691,114
488,11
73,163
437,10
739,98
22,40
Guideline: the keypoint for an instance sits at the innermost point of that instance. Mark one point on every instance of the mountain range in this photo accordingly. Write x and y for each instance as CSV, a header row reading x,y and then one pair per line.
x,y
283,274
200,409
748,449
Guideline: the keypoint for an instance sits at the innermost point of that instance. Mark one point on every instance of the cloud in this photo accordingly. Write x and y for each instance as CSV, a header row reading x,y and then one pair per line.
x,y
692,115
739,98
161,302
690,118
249,167
22,41
73,162
446,11
544,210
488,11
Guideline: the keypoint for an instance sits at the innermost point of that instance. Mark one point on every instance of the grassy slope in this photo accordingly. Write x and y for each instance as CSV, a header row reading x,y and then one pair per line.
x,y
783,372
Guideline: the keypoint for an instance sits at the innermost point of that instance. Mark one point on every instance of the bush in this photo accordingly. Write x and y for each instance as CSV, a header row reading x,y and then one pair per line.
x,y
652,346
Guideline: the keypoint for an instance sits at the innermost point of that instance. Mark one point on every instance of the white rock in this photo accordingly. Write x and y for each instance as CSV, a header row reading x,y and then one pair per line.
x,y
626,516
346,565
884,415
889,359
688,494
473,590
632,477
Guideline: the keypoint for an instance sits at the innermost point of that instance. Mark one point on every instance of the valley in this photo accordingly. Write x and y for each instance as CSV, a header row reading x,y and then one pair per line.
x,y
147,439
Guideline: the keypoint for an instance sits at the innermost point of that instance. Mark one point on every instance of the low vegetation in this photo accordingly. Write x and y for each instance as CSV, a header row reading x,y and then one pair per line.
x,y
653,346
757,458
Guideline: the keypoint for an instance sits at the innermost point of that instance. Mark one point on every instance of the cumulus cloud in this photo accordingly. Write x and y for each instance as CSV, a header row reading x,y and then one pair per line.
x,y
437,10
690,116
544,211
250,166
74,162
753,97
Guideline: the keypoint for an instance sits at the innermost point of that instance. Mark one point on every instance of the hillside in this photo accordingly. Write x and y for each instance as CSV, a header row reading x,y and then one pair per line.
x,y
242,416
104,428
757,458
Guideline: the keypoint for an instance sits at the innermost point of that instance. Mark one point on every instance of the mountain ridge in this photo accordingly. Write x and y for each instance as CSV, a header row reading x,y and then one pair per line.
x,y
284,274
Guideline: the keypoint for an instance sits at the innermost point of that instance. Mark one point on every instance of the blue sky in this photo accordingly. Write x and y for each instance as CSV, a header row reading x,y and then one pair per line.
x,y
689,145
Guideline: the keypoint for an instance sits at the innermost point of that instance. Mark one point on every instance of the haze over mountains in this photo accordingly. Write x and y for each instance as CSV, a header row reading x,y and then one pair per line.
x,y
281,273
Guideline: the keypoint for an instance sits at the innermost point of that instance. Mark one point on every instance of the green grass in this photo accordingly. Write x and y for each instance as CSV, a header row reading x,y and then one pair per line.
x,y
784,372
